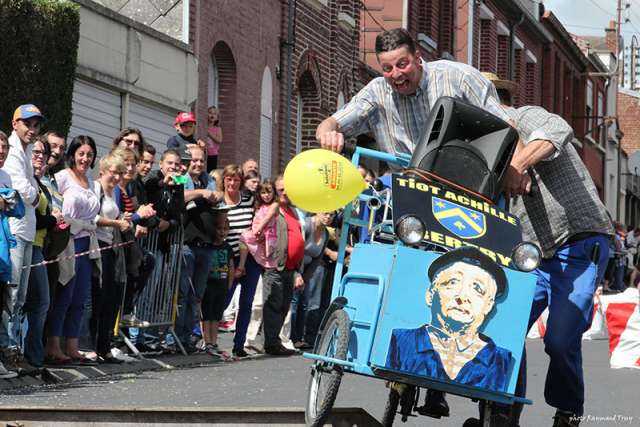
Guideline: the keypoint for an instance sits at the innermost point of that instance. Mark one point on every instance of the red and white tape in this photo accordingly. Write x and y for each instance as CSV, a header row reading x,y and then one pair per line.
x,y
92,251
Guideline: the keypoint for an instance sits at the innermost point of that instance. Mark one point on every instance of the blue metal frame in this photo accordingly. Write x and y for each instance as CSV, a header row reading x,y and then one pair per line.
x,y
348,220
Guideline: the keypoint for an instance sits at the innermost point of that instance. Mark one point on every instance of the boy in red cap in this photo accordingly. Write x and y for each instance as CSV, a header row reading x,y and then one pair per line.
x,y
185,125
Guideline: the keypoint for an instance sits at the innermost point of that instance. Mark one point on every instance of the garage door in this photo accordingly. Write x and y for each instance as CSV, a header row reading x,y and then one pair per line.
x,y
155,122
95,112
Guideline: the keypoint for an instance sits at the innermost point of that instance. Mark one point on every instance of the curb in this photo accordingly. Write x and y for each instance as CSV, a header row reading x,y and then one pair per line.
x,y
54,377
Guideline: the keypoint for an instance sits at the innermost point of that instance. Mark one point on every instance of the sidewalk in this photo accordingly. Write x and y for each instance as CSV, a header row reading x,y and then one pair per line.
x,y
72,374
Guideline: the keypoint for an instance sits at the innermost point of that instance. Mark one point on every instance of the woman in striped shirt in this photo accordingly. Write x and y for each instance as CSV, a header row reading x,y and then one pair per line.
x,y
240,217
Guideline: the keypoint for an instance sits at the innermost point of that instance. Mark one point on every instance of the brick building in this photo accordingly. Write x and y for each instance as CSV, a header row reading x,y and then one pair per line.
x,y
430,21
242,53
507,39
628,113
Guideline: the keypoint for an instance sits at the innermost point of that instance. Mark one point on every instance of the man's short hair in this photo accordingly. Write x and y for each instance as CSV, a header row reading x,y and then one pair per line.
x,y
169,152
148,148
56,134
197,147
3,137
390,40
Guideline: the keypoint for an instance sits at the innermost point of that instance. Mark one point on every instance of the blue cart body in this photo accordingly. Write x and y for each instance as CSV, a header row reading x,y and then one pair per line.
x,y
385,289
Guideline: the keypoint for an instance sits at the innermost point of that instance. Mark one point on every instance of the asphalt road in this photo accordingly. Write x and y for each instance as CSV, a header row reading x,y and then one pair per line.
x,y
273,382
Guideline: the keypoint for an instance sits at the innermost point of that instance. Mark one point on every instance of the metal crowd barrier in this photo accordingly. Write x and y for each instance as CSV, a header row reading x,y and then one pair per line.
x,y
157,304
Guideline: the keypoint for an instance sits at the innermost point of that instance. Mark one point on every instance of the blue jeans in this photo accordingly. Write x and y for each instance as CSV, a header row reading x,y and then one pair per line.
x,y
305,305
566,284
248,284
193,282
15,294
36,307
69,302
618,276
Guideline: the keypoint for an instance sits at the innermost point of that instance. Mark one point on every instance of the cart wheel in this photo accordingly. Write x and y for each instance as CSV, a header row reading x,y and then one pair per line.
x,y
326,377
391,408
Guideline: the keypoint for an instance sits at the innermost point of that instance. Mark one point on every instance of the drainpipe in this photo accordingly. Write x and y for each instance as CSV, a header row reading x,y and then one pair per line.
x,y
405,14
512,51
290,43
470,22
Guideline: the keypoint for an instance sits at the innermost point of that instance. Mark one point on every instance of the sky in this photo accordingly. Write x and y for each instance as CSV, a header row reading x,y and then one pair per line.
x,y
590,17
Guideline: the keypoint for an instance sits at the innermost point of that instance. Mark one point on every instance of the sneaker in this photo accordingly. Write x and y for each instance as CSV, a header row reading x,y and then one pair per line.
x,y
240,354
5,374
11,358
255,348
122,356
435,405
214,350
566,419
278,350
302,345
131,321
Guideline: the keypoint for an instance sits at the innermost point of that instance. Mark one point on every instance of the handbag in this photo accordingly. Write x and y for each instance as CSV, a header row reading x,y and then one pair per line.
x,y
56,241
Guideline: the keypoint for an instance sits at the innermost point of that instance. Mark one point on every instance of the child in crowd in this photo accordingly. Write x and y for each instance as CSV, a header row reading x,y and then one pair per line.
x,y
185,125
260,239
219,281
214,138
216,174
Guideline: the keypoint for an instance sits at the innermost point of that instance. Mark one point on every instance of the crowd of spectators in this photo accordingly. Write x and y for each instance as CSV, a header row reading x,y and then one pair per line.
x,y
73,247
623,269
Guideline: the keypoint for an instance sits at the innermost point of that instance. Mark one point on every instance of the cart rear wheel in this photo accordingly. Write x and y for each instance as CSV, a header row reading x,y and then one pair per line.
x,y
391,408
326,377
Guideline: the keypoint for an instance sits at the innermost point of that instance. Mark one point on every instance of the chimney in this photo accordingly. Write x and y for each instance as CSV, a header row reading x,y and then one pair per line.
x,y
611,36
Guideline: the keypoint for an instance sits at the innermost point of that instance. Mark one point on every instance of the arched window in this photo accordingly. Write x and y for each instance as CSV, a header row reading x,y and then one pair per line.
x,y
214,81
299,123
266,123
340,102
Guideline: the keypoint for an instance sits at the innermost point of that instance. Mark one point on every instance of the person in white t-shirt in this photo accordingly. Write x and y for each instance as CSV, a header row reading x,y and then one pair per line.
x,y
27,121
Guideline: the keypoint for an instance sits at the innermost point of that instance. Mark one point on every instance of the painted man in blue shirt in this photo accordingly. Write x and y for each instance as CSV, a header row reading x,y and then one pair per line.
x,y
465,285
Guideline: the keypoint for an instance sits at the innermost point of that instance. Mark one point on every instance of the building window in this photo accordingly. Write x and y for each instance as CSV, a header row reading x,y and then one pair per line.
x,y
340,101
589,108
266,123
300,106
213,81
530,83
600,119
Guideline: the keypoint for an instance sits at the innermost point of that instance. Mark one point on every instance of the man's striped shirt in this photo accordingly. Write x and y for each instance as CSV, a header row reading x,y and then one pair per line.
x,y
398,121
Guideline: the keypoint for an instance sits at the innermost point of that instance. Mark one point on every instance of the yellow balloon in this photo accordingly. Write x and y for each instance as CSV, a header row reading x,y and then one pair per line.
x,y
322,181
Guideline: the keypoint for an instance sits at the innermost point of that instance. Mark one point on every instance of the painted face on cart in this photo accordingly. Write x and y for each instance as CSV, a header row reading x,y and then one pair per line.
x,y
401,69
461,297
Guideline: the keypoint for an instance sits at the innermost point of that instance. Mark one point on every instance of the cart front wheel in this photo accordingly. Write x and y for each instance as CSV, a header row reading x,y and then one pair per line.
x,y
326,377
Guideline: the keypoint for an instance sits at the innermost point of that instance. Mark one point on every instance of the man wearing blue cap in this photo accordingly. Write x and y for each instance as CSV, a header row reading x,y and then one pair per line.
x,y
27,121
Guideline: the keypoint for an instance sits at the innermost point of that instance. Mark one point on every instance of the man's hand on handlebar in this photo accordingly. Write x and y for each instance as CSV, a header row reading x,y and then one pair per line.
x,y
516,182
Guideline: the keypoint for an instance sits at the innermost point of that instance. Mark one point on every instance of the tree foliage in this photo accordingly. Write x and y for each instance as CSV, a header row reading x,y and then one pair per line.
x,y
39,45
